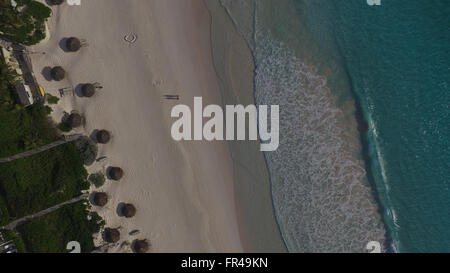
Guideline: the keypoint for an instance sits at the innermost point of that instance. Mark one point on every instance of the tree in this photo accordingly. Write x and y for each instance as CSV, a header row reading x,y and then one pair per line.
x,y
88,150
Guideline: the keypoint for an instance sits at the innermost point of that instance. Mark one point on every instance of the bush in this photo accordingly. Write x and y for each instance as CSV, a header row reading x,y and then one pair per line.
x,y
37,182
48,110
10,235
21,128
25,27
52,99
98,179
4,215
38,10
64,127
88,150
51,233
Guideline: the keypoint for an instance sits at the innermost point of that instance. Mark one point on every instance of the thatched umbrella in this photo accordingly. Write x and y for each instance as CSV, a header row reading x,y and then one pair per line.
x,y
128,210
73,44
112,235
103,136
116,173
100,199
58,73
88,90
57,2
74,120
141,246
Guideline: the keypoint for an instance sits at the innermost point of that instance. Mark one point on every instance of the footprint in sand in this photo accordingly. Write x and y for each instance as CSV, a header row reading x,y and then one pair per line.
x,y
158,82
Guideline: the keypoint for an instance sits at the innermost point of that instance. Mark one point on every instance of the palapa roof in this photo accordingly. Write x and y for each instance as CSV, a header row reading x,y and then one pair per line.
x,y
112,235
74,120
128,210
73,44
141,246
58,73
116,173
100,199
103,136
88,90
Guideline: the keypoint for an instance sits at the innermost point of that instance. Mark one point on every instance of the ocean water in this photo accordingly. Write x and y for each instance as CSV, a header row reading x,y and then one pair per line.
x,y
397,59
338,183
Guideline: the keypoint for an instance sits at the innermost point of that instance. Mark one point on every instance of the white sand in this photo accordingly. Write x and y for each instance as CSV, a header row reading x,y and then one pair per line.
x,y
183,191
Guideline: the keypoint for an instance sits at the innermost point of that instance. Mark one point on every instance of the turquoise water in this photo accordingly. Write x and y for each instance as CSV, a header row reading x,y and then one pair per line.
x,y
325,61
397,58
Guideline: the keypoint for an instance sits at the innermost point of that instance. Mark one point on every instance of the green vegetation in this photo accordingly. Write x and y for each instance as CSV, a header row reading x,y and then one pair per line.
x,y
48,110
10,235
64,127
21,129
4,215
52,232
41,181
37,182
52,99
88,150
25,23
98,179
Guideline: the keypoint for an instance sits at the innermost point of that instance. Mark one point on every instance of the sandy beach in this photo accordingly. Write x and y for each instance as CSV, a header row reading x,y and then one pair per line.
x,y
189,195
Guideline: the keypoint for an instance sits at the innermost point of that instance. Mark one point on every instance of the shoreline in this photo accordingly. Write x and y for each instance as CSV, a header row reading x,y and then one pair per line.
x,y
319,125
234,65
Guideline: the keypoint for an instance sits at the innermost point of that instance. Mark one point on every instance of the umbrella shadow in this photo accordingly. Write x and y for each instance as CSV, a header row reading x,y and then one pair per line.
x,y
93,136
65,117
104,235
78,91
63,44
91,198
119,209
133,246
47,73
50,3
108,170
